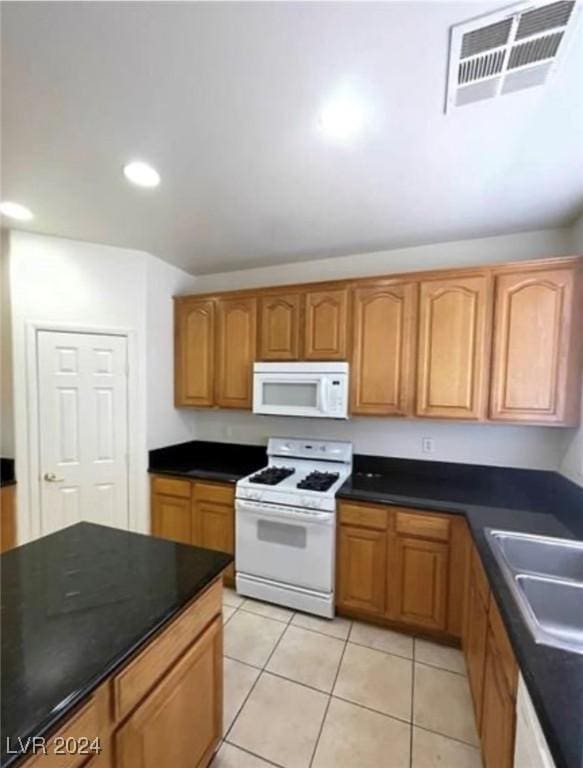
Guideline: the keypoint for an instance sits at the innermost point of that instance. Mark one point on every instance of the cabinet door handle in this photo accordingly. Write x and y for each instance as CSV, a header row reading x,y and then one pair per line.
x,y
50,477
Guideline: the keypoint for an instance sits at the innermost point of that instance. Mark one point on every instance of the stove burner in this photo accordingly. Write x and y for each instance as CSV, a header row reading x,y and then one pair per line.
x,y
272,475
318,481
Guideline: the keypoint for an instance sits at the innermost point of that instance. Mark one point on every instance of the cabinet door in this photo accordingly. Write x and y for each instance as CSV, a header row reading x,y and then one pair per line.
x,y
8,517
475,632
280,327
452,371
420,578
534,364
179,724
237,328
325,328
383,354
194,355
172,518
498,713
214,528
361,569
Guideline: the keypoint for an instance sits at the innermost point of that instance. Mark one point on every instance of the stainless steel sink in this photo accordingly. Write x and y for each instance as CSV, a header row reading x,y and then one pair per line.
x,y
524,553
546,576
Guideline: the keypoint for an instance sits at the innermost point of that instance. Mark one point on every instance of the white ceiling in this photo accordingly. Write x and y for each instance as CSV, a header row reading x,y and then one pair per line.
x,y
223,99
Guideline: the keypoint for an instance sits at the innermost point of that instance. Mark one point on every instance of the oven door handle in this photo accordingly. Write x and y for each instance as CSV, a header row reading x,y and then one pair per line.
x,y
321,518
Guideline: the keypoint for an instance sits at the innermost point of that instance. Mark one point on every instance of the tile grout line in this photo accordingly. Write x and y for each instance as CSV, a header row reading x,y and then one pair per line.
x,y
382,650
370,709
245,663
270,618
442,669
262,670
254,754
446,736
319,736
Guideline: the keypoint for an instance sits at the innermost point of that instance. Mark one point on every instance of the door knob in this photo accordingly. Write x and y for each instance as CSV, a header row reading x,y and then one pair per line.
x,y
50,477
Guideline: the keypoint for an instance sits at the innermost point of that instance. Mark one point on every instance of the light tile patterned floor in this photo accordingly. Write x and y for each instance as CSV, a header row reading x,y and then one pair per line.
x,y
303,692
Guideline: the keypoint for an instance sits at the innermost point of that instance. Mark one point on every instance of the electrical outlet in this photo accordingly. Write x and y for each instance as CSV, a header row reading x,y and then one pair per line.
x,y
428,445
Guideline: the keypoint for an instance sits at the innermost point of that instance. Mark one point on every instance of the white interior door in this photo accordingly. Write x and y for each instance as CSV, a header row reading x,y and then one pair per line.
x,y
83,429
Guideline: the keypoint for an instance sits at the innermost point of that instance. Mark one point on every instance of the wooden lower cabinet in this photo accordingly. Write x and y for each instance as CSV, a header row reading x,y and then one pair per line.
x,y
171,518
402,566
362,560
163,709
179,725
8,517
474,645
492,671
498,722
213,518
421,582
195,512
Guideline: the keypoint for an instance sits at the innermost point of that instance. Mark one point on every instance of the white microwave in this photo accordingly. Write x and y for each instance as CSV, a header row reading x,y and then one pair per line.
x,y
301,389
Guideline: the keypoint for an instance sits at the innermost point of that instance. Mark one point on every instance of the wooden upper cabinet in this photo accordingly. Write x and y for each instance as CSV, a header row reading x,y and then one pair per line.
x,y
279,328
452,369
236,347
383,353
535,363
325,325
194,324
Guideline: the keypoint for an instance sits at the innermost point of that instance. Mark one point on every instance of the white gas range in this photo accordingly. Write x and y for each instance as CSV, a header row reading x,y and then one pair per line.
x,y
286,524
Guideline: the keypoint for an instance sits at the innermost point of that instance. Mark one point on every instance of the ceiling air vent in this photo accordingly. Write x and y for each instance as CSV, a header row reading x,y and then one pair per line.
x,y
507,51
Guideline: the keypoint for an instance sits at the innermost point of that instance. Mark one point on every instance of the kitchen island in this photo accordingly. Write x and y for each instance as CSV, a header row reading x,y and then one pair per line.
x,y
111,651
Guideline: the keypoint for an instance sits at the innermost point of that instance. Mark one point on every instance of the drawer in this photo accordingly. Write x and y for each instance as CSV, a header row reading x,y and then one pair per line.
x,y
171,486
88,723
219,494
480,578
132,683
504,647
364,516
423,525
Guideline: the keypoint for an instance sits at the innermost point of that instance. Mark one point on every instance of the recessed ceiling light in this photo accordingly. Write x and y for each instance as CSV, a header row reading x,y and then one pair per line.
x,y
141,174
342,117
16,211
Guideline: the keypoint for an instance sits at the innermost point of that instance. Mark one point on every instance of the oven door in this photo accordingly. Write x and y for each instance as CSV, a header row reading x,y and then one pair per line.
x,y
285,544
282,394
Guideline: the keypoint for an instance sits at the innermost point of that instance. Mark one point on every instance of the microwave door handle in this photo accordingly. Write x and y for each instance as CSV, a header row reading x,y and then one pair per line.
x,y
324,382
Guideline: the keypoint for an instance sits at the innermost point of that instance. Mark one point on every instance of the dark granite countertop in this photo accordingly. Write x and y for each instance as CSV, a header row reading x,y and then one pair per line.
x,y
198,459
522,500
7,476
76,605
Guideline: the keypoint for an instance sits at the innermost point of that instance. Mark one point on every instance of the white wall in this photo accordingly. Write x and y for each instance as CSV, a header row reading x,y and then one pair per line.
x,y
572,462
74,283
540,448
462,253
166,424
6,397
532,447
